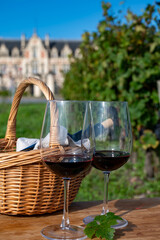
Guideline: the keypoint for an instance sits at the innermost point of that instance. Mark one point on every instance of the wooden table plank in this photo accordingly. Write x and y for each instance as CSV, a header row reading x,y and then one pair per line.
x,y
143,216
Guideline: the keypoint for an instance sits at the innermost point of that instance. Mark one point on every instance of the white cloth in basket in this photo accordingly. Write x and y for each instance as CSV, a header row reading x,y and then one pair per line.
x,y
26,144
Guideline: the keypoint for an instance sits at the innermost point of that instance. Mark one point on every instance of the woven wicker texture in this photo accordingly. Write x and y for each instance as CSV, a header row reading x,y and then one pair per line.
x,y
27,187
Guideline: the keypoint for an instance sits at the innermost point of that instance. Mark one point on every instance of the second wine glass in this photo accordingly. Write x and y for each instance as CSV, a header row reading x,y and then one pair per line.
x,y
113,144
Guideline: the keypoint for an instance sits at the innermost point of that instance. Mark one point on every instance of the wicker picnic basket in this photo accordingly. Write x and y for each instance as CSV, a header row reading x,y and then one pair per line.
x,y
27,187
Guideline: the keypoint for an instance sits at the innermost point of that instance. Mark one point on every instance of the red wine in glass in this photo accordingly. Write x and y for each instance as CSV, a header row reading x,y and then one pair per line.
x,y
69,165
109,160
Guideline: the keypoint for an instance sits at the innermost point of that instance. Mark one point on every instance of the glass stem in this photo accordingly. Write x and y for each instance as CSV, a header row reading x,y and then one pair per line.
x,y
105,208
65,218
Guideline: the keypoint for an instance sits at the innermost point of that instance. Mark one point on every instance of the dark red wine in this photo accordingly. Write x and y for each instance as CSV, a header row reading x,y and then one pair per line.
x,y
109,160
68,166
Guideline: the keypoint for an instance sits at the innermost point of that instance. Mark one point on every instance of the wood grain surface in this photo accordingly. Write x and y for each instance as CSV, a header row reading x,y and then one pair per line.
x,y
143,217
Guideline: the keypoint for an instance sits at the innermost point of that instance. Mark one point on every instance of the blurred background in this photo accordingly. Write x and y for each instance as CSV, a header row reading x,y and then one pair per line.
x,y
88,50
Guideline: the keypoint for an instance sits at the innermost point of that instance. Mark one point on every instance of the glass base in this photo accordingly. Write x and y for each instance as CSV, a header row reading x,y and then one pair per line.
x,y
120,223
57,232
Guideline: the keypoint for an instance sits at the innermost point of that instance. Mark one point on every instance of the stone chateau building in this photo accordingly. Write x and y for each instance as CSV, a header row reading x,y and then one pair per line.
x,y
46,59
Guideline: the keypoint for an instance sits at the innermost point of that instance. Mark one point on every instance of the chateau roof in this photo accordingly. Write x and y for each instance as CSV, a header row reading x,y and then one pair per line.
x,y
59,44
10,44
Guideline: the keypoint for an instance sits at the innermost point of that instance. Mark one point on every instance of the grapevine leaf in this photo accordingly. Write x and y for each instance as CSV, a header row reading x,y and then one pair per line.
x,y
101,226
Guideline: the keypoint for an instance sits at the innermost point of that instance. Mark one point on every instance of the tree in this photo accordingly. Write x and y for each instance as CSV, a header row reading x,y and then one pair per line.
x,y
121,61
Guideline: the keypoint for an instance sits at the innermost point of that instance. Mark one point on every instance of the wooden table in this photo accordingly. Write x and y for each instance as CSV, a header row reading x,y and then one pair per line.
x,y
143,217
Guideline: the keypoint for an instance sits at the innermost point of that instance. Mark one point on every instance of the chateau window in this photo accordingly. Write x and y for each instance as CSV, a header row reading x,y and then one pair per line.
x,y
16,67
66,68
64,55
54,53
27,69
54,68
42,68
3,51
2,68
66,51
15,52
34,67
77,53
34,52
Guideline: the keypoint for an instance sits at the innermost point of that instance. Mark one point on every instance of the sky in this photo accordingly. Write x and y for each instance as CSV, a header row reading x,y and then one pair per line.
x,y
61,19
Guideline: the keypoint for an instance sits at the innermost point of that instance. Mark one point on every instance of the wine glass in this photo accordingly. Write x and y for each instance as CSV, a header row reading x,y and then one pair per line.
x,y
64,156
113,144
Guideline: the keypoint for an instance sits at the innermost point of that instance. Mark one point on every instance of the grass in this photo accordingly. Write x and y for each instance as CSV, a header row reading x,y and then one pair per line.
x,y
127,182
29,119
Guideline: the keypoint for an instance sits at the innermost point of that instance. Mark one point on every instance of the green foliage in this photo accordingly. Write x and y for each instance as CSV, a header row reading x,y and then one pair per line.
x,y
148,140
120,61
101,228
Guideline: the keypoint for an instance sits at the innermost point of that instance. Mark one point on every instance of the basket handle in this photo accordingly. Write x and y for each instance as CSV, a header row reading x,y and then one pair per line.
x,y
11,125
